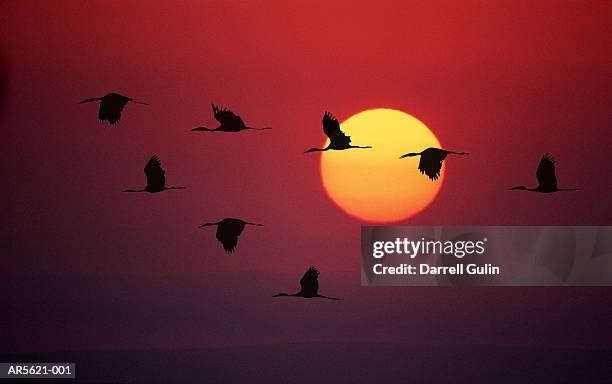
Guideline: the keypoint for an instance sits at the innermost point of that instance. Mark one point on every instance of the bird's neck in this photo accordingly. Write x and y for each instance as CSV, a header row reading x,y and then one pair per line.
x,y
317,149
287,294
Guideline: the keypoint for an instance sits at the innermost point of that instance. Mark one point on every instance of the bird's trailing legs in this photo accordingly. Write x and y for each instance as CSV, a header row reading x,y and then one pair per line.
x,y
258,129
139,102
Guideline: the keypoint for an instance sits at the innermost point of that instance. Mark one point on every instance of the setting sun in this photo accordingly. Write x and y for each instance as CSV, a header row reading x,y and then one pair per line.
x,y
374,184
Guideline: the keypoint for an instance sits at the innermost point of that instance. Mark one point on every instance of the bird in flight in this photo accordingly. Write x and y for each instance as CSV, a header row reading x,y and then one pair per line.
x,y
547,180
431,160
229,121
156,179
111,106
310,286
228,231
337,139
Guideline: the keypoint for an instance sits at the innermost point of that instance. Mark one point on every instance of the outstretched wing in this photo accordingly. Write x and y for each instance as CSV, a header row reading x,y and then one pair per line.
x,y
228,231
227,117
310,282
547,179
111,107
227,239
431,163
331,127
156,179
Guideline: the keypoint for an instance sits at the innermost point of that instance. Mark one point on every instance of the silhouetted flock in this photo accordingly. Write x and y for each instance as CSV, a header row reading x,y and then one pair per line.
x,y
229,229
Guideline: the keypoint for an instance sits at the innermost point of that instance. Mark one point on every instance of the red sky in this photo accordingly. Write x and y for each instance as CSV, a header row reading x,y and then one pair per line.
x,y
505,81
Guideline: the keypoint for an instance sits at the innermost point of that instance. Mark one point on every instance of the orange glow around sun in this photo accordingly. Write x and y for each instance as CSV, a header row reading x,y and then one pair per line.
x,y
375,185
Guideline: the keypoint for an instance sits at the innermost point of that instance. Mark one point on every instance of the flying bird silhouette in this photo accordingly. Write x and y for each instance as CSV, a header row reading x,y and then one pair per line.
x,y
228,231
310,286
337,139
431,160
156,177
229,121
111,106
547,180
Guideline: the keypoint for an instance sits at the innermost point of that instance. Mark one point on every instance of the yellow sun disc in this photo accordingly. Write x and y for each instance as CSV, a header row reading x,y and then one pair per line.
x,y
374,184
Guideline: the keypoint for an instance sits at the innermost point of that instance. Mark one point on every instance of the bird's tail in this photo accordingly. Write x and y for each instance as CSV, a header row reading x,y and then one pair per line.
x,y
259,225
458,153
176,187
202,129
